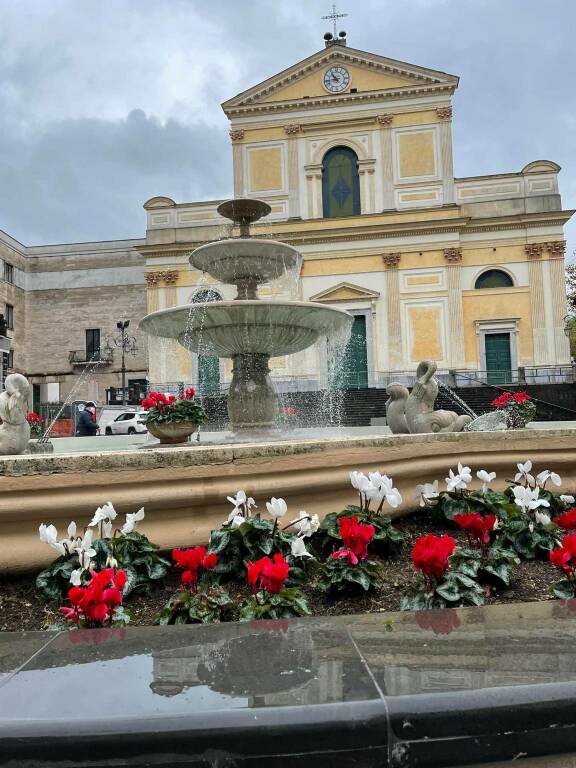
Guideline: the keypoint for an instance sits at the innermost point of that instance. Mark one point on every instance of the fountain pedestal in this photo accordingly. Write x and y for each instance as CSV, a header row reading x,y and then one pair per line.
x,y
252,398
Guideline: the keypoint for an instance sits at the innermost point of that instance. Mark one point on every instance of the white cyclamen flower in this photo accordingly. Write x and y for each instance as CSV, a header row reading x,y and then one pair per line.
x,y
49,535
427,491
565,499
382,487
105,512
107,529
131,519
236,521
298,548
524,473
306,524
359,481
76,577
542,518
239,500
458,481
276,507
527,498
485,478
543,477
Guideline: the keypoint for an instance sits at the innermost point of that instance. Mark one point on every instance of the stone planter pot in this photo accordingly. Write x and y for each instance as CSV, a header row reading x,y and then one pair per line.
x,y
168,434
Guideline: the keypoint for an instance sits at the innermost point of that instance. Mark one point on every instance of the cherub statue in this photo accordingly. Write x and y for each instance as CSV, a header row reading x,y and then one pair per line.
x,y
420,414
413,413
14,430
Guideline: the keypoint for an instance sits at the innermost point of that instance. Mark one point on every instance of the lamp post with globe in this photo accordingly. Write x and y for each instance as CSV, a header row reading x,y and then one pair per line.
x,y
127,345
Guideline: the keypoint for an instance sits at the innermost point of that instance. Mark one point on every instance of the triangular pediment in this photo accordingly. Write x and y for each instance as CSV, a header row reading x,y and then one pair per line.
x,y
345,292
369,74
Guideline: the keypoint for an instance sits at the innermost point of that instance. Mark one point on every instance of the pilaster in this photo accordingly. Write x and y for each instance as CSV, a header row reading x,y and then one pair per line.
x,y
238,169
537,302
556,250
395,354
314,183
385,121
453,258
446,156
292,132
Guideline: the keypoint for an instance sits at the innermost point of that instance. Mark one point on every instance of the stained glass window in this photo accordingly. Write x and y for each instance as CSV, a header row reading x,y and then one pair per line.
x,y
340,183
494,278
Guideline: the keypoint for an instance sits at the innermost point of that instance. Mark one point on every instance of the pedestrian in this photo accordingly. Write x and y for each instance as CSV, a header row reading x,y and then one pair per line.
x,y
86,424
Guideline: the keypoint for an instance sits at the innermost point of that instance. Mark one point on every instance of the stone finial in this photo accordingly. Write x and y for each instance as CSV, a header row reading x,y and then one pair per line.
x,y
534,250
391,260
444,113
152,278
292,129
385,120
453,255
237,134
556,249
169,277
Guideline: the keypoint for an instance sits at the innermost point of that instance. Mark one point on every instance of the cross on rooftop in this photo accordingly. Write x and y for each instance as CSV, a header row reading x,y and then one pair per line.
x,y
334,16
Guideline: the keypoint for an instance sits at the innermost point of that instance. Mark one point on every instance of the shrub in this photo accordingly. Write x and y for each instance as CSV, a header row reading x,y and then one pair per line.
x,y
517,407
168,409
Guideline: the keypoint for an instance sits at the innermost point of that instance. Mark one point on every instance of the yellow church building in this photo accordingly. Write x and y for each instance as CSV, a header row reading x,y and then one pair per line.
x,y
353,152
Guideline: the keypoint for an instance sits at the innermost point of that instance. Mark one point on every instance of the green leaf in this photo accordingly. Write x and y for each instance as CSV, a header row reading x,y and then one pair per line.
x,y
563,589
449,591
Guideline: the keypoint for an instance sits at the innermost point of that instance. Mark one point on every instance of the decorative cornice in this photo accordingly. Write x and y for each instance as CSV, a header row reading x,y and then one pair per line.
x,y
292,129
391,260
556,249
153,278
385,120
534,250
237,134
444,113
453,255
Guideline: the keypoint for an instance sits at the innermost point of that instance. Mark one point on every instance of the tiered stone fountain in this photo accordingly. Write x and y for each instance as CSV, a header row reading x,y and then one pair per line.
x,y
249,330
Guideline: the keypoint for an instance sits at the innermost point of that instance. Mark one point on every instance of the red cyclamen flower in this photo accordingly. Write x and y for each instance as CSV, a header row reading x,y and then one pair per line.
x,y
567,520
345,554
521,397
192,560
476,526
269,574
97,600
430,554
356,536
563,557
189,394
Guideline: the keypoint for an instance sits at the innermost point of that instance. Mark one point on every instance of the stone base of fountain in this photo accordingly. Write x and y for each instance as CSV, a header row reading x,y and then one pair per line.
x,y
252,398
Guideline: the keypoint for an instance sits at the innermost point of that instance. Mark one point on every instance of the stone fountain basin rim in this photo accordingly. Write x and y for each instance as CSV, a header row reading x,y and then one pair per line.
x,y
214,258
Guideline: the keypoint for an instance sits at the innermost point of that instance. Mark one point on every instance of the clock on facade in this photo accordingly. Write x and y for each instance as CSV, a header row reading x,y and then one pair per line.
x,y
336,79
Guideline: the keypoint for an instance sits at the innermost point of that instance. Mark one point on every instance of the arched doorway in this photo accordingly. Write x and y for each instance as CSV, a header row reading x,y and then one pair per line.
x,y
340,183
208,367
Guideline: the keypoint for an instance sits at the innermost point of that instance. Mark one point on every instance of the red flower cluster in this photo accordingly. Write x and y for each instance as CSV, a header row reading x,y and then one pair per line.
x,y
430,554
268,574
33,418
157,400
511,398
567,520
189,394
565,555
356,537
97,600
192,560
477,527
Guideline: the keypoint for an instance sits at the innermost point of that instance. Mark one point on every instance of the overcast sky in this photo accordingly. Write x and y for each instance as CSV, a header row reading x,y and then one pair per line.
x,y
106,103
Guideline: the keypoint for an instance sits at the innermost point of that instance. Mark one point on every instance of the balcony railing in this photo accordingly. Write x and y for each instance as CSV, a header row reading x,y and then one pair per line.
x,y
91,357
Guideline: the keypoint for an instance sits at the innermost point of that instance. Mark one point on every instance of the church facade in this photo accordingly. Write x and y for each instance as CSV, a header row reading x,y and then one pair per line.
x,y
353,152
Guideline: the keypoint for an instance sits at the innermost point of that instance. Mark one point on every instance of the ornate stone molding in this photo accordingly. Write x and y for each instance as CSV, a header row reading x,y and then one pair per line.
x,y
292,129
237,134
385,120
169,277
534,250
453,255
444,113
391,260
556,249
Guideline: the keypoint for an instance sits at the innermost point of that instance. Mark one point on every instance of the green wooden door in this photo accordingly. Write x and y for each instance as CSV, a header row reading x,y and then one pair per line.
x,y
498,358
355,361
208,375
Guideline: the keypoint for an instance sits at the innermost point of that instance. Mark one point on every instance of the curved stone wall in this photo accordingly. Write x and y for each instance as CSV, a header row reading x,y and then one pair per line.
x,y
184,489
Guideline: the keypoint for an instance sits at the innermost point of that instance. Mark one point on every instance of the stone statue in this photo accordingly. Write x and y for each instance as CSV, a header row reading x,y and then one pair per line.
x,y
14,430
395,407
419,414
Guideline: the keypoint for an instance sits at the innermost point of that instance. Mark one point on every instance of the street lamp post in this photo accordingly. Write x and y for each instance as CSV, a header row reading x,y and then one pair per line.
x,y
127,345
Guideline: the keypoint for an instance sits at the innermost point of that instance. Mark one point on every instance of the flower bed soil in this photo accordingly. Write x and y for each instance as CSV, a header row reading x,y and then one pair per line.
x,y
21,609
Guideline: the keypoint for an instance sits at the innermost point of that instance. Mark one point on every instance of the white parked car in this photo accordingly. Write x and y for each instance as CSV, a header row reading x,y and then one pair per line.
x,y
127,423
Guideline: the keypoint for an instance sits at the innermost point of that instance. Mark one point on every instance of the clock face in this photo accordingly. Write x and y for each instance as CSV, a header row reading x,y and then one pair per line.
x,y
336,79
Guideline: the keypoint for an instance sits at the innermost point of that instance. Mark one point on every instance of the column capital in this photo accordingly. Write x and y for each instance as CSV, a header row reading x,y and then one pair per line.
x,y
391,260
169,277
292,129
534,250
385,120
152,278
453,255
444,113
556,249
237,134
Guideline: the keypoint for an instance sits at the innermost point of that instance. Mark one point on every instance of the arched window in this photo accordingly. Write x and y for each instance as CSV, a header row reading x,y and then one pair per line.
x,y
494,278
340,183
